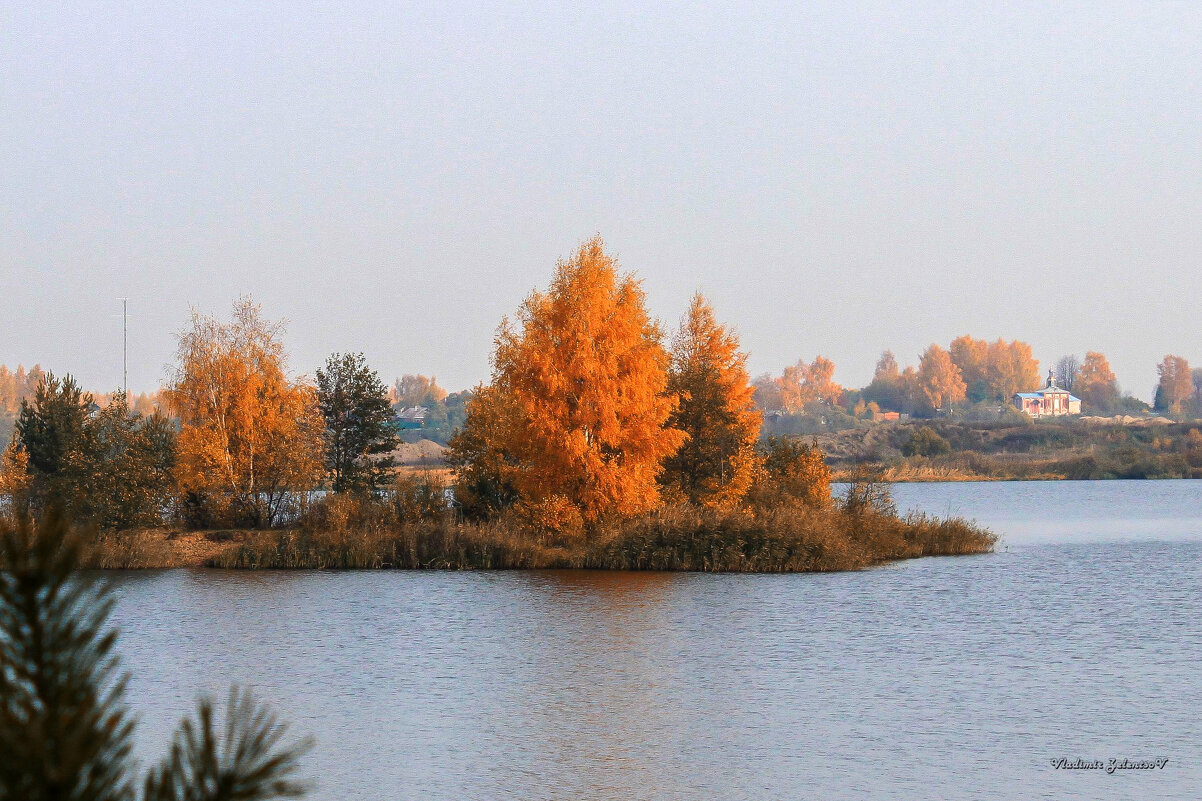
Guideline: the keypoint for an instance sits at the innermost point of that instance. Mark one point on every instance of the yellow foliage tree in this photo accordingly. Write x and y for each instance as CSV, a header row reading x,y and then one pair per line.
x,y
766,391
939,378
583,375
1176,385
15,480
971,356
1010,368
994,370
909,389
484,471
799,470
417,390
250,437
1096,383
718,462
803,384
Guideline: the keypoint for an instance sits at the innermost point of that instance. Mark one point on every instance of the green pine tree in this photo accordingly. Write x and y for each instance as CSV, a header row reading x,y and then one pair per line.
x,y
359,423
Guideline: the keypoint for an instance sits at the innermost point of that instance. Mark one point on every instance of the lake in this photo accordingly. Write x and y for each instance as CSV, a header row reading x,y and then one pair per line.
x,y
946,678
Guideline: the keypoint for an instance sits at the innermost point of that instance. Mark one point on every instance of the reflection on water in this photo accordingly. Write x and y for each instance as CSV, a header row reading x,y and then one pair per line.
x,y
936,678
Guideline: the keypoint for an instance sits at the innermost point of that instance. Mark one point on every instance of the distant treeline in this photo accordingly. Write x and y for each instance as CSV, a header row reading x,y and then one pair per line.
x,y
970,377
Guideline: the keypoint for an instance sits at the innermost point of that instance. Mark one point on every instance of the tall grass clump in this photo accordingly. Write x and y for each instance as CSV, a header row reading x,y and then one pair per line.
x,y
777,530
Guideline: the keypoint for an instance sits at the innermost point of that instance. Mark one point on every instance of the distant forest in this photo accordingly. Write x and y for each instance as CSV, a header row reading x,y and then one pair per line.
x,y
971,379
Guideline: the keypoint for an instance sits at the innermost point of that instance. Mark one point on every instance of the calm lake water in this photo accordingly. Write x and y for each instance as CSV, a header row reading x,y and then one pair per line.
x,y
952,678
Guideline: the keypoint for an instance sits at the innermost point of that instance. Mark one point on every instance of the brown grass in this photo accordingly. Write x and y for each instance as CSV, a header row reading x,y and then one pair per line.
x,y
778,533
786,538
160,548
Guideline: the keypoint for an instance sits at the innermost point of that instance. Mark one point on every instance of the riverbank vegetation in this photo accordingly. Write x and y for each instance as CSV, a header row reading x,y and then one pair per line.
x,y
1065,448
600,441
781,534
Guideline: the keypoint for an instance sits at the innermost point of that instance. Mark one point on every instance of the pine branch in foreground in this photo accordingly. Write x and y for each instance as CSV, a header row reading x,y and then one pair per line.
x,y
65,734
248,763
64,731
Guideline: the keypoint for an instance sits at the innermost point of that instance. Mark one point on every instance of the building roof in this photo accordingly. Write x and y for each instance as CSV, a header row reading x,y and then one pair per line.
x,y
1039,393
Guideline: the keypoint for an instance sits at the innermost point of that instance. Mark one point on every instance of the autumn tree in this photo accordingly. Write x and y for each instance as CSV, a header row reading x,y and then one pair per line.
x,y
994,371
766,393
1176,385
8,390
885,389
803,384
971,356
250,436
359,430
940,379
583,375
798,469
485,471
909,388
16,483
717,463
1096,384
1010,368
886,367
18,386
146,404
417,390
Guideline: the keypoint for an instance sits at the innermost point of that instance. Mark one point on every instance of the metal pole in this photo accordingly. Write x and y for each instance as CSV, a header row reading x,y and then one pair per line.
x,y
125,347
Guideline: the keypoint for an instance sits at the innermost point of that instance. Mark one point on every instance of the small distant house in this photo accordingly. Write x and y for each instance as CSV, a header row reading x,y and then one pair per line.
x,y
1051,401
886,417
413,417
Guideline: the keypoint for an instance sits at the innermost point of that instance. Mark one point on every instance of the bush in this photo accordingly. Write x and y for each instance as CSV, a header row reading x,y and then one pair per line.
x,y
418,497
795,469
926,441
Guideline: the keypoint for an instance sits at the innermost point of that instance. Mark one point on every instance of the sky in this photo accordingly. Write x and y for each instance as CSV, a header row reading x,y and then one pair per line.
x,y
392,178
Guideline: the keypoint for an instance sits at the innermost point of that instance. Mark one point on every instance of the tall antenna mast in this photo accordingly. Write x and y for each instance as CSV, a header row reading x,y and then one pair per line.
x,y
125,347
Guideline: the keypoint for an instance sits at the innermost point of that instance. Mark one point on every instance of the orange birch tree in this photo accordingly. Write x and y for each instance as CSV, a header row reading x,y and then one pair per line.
x,y
803,384
1176,384
1010,367
1096,383
940,378
583,377
250,437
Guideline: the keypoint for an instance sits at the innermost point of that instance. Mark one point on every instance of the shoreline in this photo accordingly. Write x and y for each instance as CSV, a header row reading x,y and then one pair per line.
x,y
672,540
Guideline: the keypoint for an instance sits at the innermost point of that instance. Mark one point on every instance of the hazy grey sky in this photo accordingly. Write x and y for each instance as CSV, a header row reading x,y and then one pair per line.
x,y
840,178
